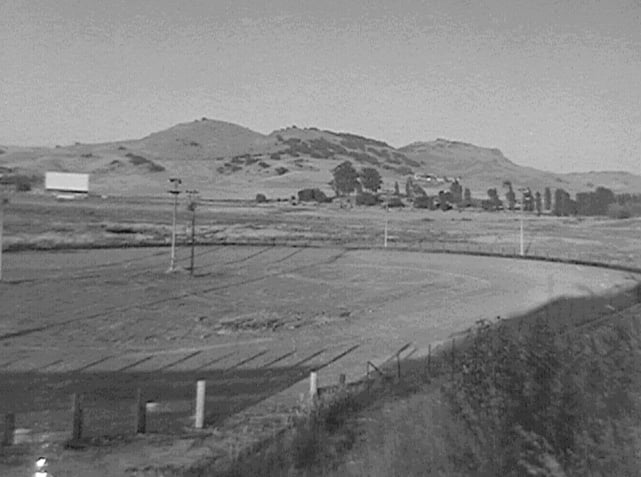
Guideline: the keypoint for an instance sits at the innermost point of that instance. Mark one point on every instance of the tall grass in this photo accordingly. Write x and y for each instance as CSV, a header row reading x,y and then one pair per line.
x,y
518,402
535,404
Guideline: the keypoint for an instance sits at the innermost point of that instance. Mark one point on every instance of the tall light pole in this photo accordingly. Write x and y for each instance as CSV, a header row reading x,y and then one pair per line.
x,y
386,217
193,194
175,192
522,248
3,201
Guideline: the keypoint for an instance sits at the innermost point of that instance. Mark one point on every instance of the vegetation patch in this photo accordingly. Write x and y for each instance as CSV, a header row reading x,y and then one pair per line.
x,y
281,170
312,195
138,160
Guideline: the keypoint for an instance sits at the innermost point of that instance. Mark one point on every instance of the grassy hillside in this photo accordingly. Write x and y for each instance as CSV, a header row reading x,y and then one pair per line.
x,y
225,160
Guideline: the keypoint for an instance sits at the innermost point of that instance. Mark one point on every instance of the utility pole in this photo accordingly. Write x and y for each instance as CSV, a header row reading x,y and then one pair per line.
x,y
522,248
192,207
3,201
386,216
175,192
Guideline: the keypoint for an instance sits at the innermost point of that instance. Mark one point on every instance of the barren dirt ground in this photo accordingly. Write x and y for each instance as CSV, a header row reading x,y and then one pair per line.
x,y
253,321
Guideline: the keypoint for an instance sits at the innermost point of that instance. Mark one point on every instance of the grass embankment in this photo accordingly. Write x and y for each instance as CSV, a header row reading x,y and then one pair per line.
x,y
534,400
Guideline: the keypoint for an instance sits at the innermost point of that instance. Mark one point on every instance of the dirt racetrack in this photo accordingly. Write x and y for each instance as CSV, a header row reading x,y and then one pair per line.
x,y
252,321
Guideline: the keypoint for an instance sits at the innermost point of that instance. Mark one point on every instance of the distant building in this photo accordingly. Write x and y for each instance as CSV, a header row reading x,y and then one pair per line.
x,y
67,185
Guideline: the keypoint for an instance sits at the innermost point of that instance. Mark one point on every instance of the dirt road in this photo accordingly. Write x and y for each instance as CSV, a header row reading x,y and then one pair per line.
x,y
252,321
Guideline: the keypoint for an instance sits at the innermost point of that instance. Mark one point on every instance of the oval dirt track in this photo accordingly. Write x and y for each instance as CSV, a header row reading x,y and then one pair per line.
x,y
253,321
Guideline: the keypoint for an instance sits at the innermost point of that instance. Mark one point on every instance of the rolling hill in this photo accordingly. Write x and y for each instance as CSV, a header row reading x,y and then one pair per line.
x,y
225,160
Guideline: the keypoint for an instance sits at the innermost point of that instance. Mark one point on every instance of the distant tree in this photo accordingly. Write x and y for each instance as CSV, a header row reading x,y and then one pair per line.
x,y
563,204
409,189
370,179
537,202
527,202
467,197
510,196
493,202
345,178
595,203
547,199
457,192
397,191
261,198
445,200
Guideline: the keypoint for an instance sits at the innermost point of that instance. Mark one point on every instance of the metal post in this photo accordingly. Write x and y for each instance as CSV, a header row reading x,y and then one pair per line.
x,y
2,202
192,208
176,182
386,217
522,248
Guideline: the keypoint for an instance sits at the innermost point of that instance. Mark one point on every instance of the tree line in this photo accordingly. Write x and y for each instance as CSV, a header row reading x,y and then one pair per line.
x,y
367,182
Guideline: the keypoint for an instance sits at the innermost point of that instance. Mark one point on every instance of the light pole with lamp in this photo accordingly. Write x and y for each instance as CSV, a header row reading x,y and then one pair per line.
x,y
386,217
4,200
191,206
175,192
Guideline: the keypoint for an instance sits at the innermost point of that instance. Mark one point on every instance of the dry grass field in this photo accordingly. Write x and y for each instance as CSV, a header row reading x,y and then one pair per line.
x,y
253,320
34,221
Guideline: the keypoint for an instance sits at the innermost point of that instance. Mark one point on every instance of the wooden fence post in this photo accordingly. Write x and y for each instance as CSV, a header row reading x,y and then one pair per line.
x,y
200,404
367,372
429,361
141,413
341,380
398,367
76,413
9,429
313,387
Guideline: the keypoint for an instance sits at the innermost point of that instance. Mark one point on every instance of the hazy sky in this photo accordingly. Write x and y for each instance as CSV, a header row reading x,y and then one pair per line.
x,y
553,84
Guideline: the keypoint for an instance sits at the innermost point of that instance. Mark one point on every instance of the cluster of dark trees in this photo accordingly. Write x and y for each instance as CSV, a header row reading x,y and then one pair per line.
x,y
346,179
367,182
598,202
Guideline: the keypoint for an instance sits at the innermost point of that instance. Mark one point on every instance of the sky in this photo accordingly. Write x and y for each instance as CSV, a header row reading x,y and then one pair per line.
x,y
554,84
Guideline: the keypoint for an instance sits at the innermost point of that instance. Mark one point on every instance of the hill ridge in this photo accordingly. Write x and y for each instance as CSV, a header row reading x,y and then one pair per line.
x,y
228,159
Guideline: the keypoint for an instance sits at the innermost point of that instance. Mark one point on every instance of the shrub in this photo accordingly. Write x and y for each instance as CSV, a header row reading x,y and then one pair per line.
x,y
395,202
23,183
281,170
617,211
312,195
366,198
424,202
261,198
275,156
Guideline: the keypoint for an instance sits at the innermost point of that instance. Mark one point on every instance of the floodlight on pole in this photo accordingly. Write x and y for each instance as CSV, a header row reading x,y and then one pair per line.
x,y
3,202
192,194
386,217
175,192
